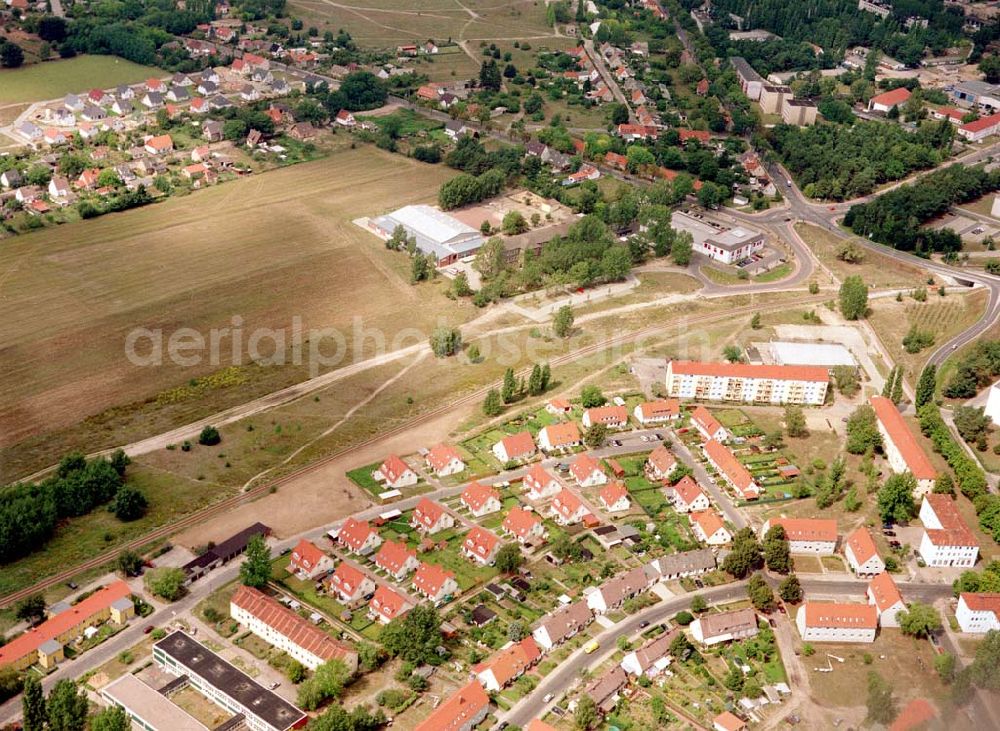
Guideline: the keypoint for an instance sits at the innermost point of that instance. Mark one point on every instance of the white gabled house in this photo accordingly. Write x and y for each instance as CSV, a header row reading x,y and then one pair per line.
x,y
539,484
395,473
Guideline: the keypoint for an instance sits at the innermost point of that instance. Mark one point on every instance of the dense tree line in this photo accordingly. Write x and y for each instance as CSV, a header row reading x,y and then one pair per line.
x,y
836,162
975,370
894,218
29,512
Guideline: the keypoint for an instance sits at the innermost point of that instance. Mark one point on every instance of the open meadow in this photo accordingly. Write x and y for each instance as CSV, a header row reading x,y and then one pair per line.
x,y
53,79
876,270
266,249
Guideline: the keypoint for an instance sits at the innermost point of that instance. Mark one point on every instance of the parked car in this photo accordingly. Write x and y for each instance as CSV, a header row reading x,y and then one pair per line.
x,y
147,629
643,624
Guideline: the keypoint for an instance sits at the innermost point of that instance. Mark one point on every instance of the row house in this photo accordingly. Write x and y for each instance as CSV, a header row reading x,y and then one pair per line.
x,y
463,711
613,417
651,658
509,664
660,463
562,624
707,425
816,536
662,411
613,592
732,470
687,563
711,629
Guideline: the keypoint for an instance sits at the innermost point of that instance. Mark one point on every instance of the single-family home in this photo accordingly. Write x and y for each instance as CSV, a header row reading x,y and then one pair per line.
x,y
178,94
207,88
431,517
559,437
562,624
947,540
350,584
605,690
687,496
480,545
978,613
522,525
357,536
728,721
707,425
558,407
614,497
59,187
515,448
539,484
10,178
711,629
308,562
345,119
817,536
31,132
456,129
386,605
444,460
507,665
152,100
212,130
395,473
396,559
73,103
567,509
480,499
708,527
884,595
87,179
155,85
249,93
587,471
661,411
861,553
833,622
660,463
54,136
613,417
159,145
434,583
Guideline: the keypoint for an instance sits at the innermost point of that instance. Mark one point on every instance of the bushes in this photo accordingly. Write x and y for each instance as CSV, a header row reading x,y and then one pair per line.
x,y
465,189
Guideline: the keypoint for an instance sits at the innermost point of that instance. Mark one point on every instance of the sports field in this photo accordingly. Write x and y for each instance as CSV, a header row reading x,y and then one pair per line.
x,y
53,79
266,249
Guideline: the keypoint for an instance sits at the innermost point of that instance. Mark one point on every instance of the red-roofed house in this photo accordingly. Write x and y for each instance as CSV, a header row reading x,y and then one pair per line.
x,y
514,448
558,406
386,605
430,517
978,613
806,535
614,497
445,460
481,499
358,537
480,545
732,470
830,622
308,562
159,145
614,160
861,553
727,721
567,508
636,132
902,450
463,711
561,437
708,527
952,114
687,496
539,484
613,417
707,425
746,383
587,471
508,664
278,625
660,463
702,88
889,99
434,582
884,595
693,134
345,119
155,85
947,540
657,412
350,584
396,559
981,128
395,473
88,178
523,526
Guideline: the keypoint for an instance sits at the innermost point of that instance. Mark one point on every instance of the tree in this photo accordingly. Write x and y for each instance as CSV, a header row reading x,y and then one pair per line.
x,y
129,563
67,707
591,397
777,555
295,672
421,268
795,422
984,671
489,261
682,249
732,353
362,90
508,391
415,636
509,558
853,298
535,380
733,680
926,386
755,321
595,435
129,504
919,620
112,718
845,378
52,28
11,55
514,223
881,706
989,64
493,404
760,593
897,386
944,664
489,76
255,570
745,555
944,484
33,704
790,590
371,656
862,431
30,609
166,582
971,422
446,341
359,718
562,323
326,683
209,436
585,714
895,499
698,604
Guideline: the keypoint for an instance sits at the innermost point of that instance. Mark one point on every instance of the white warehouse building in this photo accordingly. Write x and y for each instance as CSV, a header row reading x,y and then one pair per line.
x,y
726,245
436,233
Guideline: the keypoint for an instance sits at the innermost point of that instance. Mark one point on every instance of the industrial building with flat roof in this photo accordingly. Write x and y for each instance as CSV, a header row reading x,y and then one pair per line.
x,y
225,685
148,708
789,353
435,232
728,245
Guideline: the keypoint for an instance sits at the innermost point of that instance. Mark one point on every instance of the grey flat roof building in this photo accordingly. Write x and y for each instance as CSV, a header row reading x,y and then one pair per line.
x,y
744,69
149,708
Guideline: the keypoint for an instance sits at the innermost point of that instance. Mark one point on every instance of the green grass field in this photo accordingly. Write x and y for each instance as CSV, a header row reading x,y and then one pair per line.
x,y
41,81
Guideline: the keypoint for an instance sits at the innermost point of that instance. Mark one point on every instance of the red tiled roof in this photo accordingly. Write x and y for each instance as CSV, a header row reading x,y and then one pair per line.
x,y
746,370
862,545
639,130
584,466
537,477
347,579
607,415
729,721
307,555
703,417
441,456
520,522
476,495
892,98
393,468
982,602
612,493
289,624
694,134
458,711
354,533
904,439
662,459
807,529
980,124
392,556
510,663
615,160
566,503
564,434
160,142
842,616
708,520
387,603
480,542
951,112
430,578
726,461
662,408
884,591
519,445
953,531
428,512
688,490
537,725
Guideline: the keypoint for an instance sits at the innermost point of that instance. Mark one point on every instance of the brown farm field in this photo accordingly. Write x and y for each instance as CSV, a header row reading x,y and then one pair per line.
x,y
266,249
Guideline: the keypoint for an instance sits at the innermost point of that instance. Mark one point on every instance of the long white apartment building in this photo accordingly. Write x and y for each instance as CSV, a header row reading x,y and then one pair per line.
x,y
769,384
902,450
831,622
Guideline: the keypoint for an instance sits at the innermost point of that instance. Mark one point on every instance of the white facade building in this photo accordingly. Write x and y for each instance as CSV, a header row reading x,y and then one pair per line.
x,y
947,541
747,383
830,622
902,450
978,613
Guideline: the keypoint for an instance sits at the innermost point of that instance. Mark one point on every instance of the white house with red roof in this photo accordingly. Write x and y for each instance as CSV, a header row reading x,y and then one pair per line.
x,y
396,559
981,128
587,471
687,496
559,437
884,595
947,540
660,463
480,545
155,85
159,145
707,425
832,622
817,536
747,383
539,484
523,526
444,460
308,562
357,536
351,585
345,119
708,527
614,498
862,554
567,508
463,711
661,411
395,473
902,450
978,613
732,470
889,99
386,605
613,417
481,499
507,665
431,517
434,583
558,407
515,448
727,721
